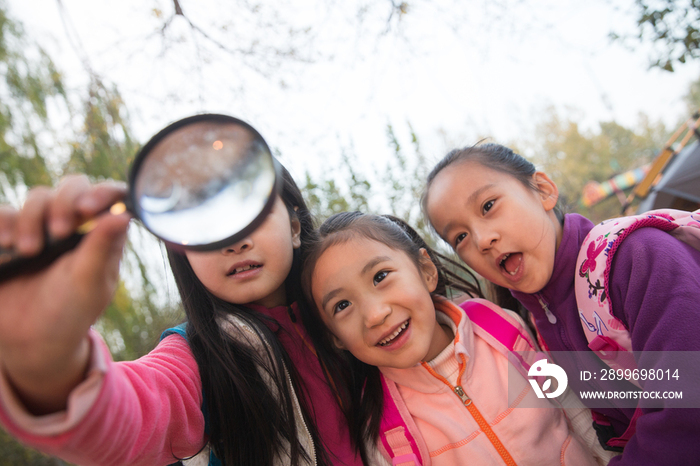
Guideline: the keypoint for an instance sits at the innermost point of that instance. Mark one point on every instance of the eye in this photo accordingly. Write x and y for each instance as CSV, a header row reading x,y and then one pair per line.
x,y
340,305
459,239
488,206
379,276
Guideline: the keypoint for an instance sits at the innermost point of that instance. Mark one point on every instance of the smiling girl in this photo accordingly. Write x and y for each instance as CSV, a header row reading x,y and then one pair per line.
x,y
377,287
500,215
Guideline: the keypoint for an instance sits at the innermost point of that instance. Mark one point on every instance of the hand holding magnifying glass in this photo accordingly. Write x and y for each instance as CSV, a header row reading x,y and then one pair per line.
x,y
201,183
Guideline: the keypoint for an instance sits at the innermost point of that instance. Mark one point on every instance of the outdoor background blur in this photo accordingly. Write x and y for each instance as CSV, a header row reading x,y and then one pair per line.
x,y
358,99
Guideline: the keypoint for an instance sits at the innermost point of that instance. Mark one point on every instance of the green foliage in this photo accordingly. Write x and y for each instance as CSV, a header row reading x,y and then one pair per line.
x,y
14,454
347,190
31,85
30,149
673,26
404,178
104,147
692,98
131,325
572,157
396,188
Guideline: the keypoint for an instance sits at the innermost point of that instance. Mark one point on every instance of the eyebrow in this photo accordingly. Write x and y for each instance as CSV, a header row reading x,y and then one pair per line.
x,y
330,296
369,266
471,199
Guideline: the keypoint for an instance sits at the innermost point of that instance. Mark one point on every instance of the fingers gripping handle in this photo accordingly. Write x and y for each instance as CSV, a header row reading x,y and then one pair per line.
x,y
13,264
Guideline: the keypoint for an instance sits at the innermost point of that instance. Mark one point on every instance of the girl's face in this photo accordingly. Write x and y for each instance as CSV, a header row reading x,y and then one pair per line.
x,y
508,233
253,270
377,303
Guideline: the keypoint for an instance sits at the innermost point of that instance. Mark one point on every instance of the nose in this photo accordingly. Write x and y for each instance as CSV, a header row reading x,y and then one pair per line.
x,y
243,245
485,239
377,314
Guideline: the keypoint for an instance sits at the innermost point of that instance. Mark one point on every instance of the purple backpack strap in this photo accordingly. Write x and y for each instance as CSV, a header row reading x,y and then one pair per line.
x,y
396,430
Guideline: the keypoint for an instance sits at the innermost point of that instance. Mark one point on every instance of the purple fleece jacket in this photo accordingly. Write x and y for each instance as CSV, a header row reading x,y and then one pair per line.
x,y
655,292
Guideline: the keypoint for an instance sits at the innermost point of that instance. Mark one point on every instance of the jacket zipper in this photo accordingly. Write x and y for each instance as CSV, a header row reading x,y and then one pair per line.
x,y
553,320
476,414
293,318
550,317
297,408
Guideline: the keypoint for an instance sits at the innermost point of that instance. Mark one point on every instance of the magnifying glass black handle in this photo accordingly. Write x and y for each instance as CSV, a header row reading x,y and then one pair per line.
x,y
13,264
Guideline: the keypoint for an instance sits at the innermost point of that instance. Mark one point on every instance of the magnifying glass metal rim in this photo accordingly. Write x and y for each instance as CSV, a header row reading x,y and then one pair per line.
x,y
134,208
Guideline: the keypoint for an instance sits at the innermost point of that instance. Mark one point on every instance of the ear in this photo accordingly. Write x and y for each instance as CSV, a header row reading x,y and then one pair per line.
x,y
547,190
296,231
338,344
428,270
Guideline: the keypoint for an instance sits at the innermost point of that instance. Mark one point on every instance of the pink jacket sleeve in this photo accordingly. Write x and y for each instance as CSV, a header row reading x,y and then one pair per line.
x,y
143,412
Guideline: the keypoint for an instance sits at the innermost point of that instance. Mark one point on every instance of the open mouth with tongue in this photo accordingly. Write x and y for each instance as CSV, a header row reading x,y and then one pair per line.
x,y
511,263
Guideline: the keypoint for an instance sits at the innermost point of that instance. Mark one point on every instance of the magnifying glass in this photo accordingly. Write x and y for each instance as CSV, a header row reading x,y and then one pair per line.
x,y
201,183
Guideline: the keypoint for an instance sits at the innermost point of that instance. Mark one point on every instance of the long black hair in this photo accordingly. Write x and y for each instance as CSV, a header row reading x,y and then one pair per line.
x,y
364,395
501,159
251,420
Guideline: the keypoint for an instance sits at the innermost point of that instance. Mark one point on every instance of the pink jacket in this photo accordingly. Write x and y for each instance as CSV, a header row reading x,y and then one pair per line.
x,y
452,432
148,411
138,412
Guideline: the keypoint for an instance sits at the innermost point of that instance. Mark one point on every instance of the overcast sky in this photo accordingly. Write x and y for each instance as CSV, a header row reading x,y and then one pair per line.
x,y
455,70
465,69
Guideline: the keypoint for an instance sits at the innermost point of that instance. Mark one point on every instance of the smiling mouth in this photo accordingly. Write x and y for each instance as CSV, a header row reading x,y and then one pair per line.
x,y
393,336
511,263
243,269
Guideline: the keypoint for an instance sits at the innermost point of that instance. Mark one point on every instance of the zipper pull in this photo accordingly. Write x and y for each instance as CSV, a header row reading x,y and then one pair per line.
x,y
291,314
550,317
459,391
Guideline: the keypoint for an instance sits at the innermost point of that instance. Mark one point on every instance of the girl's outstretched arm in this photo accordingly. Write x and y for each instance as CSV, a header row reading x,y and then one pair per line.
x,y
45,316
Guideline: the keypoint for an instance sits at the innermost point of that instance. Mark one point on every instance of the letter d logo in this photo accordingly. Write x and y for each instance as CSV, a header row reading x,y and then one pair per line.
x,y
544,369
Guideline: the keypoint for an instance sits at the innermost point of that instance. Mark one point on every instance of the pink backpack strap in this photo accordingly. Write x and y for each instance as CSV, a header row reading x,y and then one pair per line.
x,y
493,323
397,428
607,336
501,331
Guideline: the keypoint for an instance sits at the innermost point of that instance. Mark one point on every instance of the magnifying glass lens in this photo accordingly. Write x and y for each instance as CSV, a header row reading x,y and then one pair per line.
x,y
204,182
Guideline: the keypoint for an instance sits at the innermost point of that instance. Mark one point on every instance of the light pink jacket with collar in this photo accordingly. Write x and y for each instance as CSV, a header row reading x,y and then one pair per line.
x,y
536,436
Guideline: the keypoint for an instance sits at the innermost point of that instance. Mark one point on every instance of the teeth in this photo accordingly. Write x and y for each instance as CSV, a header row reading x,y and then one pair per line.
x,y
503,261
243,269
388,339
